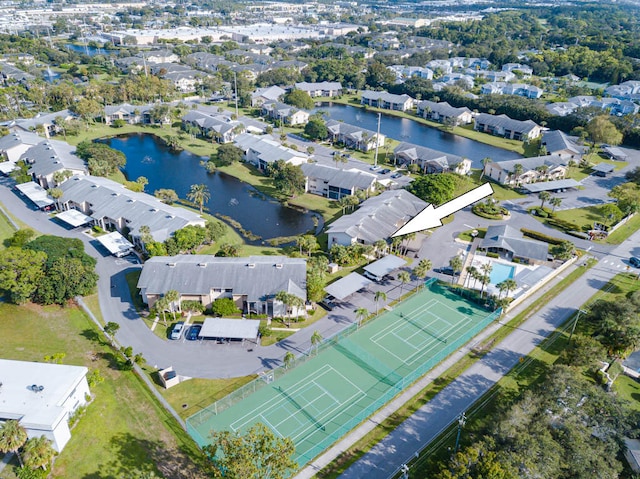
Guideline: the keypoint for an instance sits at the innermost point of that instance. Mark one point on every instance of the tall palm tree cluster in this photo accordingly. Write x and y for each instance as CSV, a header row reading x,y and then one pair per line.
x,y
37,451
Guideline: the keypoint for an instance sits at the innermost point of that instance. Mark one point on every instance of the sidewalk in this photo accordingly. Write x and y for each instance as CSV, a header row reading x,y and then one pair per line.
x,y
365,428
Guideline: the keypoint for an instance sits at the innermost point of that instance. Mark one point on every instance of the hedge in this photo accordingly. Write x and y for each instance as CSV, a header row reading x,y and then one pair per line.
x,y
541,236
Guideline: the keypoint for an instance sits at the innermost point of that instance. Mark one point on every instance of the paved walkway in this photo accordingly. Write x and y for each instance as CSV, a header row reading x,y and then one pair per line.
x,y
385,459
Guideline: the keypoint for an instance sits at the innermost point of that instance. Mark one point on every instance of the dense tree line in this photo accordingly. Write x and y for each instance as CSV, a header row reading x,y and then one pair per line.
x,y
185,240
46,270
101,159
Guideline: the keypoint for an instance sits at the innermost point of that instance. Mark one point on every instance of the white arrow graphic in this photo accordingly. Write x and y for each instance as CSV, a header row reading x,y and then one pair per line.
x,y
431,217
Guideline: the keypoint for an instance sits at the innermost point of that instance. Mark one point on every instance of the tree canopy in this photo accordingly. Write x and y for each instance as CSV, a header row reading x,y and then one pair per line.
x,y
101,159
257,453
300,99
435,189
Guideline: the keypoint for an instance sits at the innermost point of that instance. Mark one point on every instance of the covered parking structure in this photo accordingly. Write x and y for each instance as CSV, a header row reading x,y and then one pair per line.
x,y
74,218
345,287
224,329
116,244
603,169
551,185
379,269
36,193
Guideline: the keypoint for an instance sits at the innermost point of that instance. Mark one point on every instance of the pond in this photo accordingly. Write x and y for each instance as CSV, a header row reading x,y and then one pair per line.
x,y
403,129
89,50
148,156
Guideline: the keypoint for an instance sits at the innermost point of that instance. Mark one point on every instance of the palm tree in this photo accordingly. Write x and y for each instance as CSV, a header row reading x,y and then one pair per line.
x,y
555,201
485,162
518,169
422,269
12,438
472,272
199,194
38,452
161,305
380,245
380,295
456,266
485,276
172,296
316,339
543,196
509,285
361,315
404,278
288,359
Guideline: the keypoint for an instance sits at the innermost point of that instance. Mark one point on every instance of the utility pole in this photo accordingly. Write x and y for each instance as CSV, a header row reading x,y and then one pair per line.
x,y
575,323
375,157
462,420
235,82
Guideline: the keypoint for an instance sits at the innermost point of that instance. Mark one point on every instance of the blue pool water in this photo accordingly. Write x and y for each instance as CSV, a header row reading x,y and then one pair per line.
x,y
500,272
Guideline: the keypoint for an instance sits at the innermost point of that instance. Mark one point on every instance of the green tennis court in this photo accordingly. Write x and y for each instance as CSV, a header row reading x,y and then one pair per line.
x,y
329,392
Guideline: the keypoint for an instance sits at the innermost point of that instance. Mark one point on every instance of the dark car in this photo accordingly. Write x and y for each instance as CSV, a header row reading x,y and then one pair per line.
x,y
385,171
634,261
396,175
447,270
327,304
193,332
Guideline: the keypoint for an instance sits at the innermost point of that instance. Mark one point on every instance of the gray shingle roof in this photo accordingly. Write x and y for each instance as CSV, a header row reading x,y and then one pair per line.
x,y
324,86
17,138
385,96
443,108
531,163
380,216
338,177
50,156
257,277
510,239
352,132
112,200
555,140
422,154
505,122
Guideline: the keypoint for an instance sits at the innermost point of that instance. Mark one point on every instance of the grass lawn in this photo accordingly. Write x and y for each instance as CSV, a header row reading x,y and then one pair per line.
x,y
191,396
6,229
581,216
124,428
626,230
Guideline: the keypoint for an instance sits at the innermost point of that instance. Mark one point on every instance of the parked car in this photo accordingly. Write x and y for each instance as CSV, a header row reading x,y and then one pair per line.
x,y
176,332
634,261
447,270
327,304
375,168
396,175
193,332
385,171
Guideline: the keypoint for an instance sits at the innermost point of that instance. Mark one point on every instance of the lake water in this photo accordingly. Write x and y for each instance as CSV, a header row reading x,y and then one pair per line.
x,y
148,156
89,50
403,129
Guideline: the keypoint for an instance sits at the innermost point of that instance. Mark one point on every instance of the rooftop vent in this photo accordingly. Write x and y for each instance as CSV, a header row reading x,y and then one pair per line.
x,y
279,266
251,265
35,388
202,265
171,265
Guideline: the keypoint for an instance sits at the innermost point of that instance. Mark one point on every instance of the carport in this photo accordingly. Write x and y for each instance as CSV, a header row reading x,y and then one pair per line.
x,y
615,153
603,169
345,287
116,244
230,329
74,218
379,269
551,185
36,193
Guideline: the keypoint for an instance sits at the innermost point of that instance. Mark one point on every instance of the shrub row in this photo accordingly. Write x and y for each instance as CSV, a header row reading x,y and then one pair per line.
x,y
540,236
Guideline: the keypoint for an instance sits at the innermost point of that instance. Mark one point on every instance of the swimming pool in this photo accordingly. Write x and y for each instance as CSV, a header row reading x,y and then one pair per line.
x,y
500,272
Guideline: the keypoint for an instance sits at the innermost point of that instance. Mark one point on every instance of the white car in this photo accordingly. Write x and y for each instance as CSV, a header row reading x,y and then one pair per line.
x,y
176,332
